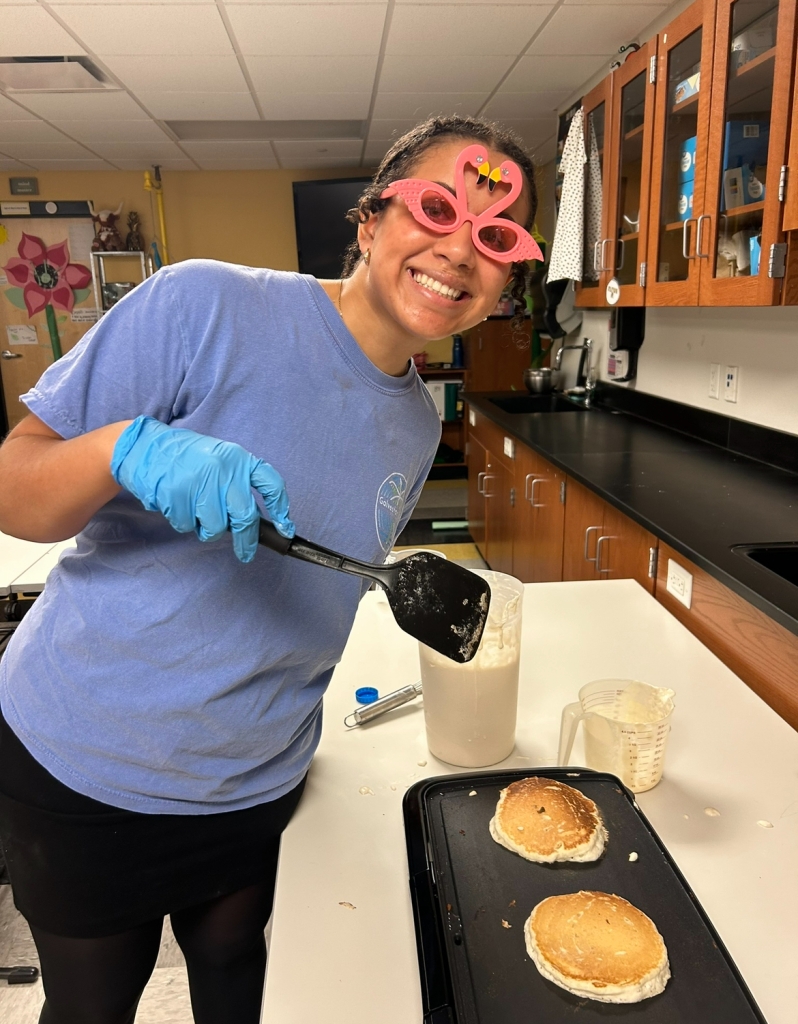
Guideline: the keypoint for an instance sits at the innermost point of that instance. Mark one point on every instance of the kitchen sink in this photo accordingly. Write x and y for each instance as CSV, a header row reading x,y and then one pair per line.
x,y
535,403
782,559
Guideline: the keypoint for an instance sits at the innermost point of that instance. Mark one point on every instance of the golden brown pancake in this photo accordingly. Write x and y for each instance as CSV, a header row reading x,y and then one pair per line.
x,y
546,821
597,945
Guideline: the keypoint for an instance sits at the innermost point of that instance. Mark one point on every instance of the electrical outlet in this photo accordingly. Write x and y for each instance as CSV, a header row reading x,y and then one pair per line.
x,y
680,583
714,380
509,448
730,389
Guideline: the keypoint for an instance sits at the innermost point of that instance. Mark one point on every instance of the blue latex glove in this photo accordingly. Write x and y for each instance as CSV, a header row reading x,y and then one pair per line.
x,y
199,483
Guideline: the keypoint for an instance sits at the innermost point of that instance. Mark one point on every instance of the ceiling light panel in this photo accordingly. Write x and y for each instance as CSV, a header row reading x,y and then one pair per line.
x,y
85,106
593,29
156,29
90,132
486,30
209,73
29,28
420,104
200,106
442,74
284,75
307,29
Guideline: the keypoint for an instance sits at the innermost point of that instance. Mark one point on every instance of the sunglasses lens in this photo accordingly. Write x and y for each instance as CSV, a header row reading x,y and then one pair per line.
x,y
438,209
498,238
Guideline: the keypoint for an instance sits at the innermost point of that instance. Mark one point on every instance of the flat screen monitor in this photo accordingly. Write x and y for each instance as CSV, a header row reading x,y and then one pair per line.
x,y
322,230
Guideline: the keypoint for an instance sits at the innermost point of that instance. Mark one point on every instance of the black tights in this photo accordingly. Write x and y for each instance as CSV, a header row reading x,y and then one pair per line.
x,y
100,981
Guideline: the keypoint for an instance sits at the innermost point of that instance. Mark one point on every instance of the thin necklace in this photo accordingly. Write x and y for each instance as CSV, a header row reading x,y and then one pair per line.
x,y
340,292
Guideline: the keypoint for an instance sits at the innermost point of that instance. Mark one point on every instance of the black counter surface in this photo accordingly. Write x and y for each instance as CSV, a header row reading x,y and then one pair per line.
x,y
700,498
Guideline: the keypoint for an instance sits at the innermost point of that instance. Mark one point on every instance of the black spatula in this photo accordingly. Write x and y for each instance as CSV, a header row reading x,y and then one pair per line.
x,y
438,602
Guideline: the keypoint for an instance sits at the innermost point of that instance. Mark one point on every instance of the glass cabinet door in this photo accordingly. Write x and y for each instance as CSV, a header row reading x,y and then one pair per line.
x,y
595,243
748,127
684,76
630,153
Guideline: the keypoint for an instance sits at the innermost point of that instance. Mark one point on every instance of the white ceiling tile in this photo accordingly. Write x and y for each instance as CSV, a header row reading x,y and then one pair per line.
x,y
525,104
532,132
389,130
181,73
201,151
443,74
421,105
200,106
10,111
544,73
241,163
113,131
548,4
375,151
156,29
75,106
31,151
56,164
648,3
7,164
29,131
352,73
485,29
183,164
29,31
306,163
115,3
307,30
330,151
594,28
316,105
152,152
328,3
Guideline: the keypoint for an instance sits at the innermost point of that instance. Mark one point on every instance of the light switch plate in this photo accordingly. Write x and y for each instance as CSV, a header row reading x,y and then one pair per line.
x,y
714,380
509,447
680,583
472,418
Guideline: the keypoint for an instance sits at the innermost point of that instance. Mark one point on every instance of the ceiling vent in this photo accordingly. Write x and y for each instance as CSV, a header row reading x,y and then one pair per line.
x,y
268,131
52,74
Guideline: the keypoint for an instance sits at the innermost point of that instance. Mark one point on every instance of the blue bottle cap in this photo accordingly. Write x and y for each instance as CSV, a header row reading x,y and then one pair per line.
x,y
366,695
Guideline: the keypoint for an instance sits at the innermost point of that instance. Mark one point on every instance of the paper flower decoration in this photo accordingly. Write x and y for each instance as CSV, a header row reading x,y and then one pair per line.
x,y
45,275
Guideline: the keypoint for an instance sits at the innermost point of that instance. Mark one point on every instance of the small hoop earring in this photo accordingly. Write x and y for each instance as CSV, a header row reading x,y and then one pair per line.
x,y
367,257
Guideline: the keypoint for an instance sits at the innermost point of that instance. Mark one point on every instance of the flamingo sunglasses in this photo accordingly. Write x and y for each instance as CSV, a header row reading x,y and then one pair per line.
x,y
436,208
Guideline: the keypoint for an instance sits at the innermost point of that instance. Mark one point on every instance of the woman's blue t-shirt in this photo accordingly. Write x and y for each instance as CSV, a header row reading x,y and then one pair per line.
x,y
157,673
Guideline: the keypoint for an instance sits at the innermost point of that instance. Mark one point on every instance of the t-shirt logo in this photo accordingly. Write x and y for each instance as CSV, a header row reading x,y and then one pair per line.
x,y
389,508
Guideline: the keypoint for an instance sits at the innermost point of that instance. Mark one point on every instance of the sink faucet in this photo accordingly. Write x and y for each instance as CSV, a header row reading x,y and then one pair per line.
x,y
583,376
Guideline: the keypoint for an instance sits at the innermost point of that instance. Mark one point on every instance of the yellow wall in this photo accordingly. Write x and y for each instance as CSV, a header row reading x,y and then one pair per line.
x,y
239,216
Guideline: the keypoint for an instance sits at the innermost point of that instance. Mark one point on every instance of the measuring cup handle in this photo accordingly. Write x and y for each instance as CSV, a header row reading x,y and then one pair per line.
x,y
572,715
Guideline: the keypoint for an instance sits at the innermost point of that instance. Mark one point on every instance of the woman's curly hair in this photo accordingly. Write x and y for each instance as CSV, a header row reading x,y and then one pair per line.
x,y
405,153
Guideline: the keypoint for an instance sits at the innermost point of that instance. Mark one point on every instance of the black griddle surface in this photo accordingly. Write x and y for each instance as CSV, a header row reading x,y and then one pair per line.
x,y
476,971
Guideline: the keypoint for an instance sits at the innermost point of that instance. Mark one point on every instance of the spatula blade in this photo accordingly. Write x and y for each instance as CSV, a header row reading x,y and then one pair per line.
x,y
440,603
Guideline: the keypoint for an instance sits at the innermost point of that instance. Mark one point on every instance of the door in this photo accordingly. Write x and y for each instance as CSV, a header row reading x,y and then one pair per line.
x,y
477,467
629,170
678,166
741,220
499,517
42,262
584,520
625,550
596,238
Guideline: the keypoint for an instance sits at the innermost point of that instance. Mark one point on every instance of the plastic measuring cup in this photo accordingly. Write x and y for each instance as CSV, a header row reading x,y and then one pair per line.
x,y
626,726
470,710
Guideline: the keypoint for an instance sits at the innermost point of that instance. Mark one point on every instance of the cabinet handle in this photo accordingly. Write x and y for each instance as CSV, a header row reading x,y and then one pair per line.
x,y
10,355
604,242
485,493
588,531
685,238
527,478
595,255
599,542
480,482
699,254
532,502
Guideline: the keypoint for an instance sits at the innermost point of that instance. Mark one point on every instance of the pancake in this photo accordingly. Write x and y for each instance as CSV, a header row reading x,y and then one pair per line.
x,y
597,945
546,821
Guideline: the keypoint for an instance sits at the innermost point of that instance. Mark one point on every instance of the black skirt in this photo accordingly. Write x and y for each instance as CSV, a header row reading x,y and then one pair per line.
x,y
84,869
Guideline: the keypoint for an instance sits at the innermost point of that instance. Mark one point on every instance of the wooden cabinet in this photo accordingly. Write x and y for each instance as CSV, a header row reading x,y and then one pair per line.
x,y
539,518
590,291
602,543
477,467
497,355
491,494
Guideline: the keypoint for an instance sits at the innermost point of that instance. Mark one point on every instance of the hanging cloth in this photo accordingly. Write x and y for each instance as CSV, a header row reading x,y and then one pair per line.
x,y
567,247
593,201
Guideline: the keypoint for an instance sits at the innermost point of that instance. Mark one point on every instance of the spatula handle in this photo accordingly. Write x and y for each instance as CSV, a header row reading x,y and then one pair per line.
x,y
269,536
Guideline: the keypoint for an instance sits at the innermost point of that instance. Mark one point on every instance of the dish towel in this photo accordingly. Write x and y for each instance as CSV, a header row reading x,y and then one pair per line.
x,y
566,249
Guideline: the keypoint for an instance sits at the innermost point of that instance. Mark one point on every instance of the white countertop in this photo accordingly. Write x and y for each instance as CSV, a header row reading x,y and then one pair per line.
x,y
727,750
